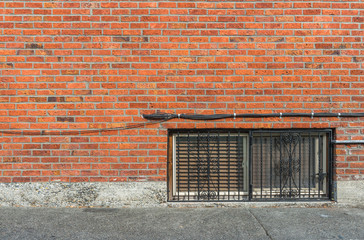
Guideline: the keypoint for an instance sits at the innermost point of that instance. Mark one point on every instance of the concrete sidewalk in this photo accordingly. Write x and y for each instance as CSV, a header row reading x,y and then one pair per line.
x,y
182,223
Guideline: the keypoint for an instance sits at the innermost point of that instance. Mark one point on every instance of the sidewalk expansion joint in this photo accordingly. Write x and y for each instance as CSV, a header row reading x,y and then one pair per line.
x,y
260,223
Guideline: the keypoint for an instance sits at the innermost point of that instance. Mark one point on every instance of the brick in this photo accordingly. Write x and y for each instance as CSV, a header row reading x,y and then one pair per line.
x,y
83,65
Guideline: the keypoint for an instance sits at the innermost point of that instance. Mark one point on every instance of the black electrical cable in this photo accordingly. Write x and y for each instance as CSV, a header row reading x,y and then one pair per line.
x,y
167,116
163,117
75,132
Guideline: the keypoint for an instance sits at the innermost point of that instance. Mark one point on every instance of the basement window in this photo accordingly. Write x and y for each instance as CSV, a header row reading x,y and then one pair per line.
x,y
233,165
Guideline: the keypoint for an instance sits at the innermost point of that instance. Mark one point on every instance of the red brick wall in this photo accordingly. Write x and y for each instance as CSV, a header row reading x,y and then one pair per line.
x,y
69,65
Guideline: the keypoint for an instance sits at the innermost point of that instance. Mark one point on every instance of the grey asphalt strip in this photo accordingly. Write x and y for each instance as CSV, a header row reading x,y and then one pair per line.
x,y
312,223
181,223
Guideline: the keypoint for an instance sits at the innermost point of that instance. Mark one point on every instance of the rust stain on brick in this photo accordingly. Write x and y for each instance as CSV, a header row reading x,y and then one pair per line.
x,y
6,65
11,159
52,99
294,52
323,45
358,59
34,45
56,99
121,39
65,119
276,39
332,52
358,19
38,99
342,46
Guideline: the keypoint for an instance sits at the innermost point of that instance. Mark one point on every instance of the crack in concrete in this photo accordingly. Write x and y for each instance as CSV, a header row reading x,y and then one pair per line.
x,y
261,224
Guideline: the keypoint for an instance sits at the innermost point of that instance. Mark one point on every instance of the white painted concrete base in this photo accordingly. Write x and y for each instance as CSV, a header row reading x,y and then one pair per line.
x,y
139,194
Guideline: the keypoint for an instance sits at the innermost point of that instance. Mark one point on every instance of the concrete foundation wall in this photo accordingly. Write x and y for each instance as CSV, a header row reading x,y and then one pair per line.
x,y
131,194
350,192
134,194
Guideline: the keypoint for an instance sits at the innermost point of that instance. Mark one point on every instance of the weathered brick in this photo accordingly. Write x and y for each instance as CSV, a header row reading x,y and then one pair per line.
x,y
68,67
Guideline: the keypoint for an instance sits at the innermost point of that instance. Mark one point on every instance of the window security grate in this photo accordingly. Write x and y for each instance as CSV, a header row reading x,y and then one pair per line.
x,y
231,165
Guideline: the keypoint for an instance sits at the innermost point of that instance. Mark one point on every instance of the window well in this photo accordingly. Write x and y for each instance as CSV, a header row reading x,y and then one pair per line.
x,y
234,165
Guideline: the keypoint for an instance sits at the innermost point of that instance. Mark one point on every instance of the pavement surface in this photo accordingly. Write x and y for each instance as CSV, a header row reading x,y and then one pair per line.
x,y
182,223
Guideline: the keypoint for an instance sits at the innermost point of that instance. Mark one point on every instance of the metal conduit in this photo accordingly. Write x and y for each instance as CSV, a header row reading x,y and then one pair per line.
x,y
167,116
348,141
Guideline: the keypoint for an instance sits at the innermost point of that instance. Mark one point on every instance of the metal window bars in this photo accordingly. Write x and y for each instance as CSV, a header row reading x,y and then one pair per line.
x,y
249,165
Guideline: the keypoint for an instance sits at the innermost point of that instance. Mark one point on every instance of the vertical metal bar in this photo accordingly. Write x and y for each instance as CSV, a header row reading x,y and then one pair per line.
x,y
261,165
208,165
280,164
171,164
218,167
319,165
271,165
168,167
238,162
299,165
188,163
330,167
198,165
228,153
178,165
290,159
309,164
250,165
245,163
